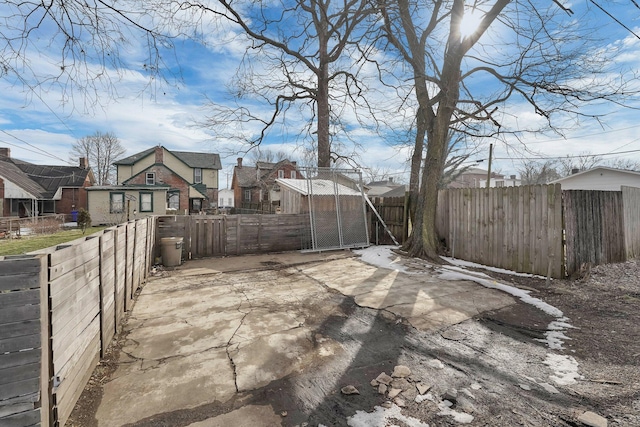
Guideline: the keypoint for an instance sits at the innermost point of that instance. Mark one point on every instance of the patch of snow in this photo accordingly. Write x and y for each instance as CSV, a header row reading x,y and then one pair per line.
x,y
380,416
459,417
422,397
464,263
492,284
565,369
381,256
435,363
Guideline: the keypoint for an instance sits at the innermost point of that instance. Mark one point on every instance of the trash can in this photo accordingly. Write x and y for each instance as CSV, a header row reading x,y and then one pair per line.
x,y
74,216
171,251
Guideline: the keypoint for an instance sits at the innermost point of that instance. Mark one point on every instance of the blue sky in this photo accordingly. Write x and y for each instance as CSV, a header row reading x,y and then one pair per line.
x,y
40,126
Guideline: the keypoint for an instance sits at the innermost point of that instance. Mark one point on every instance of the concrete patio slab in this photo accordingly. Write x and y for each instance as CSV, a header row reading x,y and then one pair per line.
x,y
212,329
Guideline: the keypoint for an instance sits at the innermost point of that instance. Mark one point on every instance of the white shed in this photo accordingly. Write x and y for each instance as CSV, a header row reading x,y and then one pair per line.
x,y
600,178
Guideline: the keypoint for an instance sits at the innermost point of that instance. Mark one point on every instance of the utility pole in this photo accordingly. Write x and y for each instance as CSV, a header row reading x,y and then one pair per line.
x,y
489,171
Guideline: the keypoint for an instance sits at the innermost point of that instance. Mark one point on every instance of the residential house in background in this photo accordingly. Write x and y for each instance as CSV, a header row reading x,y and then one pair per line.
x,y
254,187
225,198
27,189
378,188
477,178
191,178
503,181
599,178
115,204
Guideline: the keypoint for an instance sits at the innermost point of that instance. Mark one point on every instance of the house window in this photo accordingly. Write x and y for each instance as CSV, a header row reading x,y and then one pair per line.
x,y
146,202
280,174
247,195
173,200
230,201
151,178
293,174
499,183
116,202
196,205
197,176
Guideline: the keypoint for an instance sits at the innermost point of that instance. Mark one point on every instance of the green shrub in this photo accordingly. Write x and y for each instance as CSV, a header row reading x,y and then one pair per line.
x,y
84,219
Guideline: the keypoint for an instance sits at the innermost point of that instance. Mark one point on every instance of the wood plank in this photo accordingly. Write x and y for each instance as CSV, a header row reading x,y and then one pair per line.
x,y
23,419
21,297
16,359
68,395
70,258
14,408
18,329
22,264
64,286
19,314
65,360
24,342
20,373
20,388
20,281
85,300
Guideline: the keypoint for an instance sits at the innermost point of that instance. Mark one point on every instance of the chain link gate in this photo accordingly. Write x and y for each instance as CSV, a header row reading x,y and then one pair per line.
x,y
337,212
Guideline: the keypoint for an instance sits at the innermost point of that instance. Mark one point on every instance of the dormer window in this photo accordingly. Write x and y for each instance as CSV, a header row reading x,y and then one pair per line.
x,y
280,174
293,174
150,178
197,175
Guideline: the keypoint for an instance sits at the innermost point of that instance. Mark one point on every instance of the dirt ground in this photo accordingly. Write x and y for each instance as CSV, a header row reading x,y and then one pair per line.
x,y
494,367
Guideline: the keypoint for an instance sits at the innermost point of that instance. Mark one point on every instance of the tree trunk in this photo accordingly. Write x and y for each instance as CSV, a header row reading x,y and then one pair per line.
x,y
322,101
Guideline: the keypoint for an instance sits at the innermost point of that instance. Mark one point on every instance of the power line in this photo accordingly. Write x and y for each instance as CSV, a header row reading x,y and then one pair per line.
x,y
563,157
40,150
616,19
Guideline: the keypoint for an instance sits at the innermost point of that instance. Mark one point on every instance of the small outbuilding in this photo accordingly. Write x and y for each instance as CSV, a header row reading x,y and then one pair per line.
x,y
115,204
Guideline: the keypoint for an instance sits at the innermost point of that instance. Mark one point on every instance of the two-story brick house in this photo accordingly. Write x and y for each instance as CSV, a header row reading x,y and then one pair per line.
x,y
255,187
191,178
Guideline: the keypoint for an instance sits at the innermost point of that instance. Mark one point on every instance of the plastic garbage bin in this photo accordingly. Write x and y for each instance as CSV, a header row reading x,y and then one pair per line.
x,y
171,251
74,216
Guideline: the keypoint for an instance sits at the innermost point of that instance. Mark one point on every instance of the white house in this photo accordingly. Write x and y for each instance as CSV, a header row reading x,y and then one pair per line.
x,y
225,198
600,178
501,181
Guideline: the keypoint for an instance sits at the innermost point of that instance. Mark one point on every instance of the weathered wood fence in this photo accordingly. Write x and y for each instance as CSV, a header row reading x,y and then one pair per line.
x,y
540,229
59,311
394,213
220,235
516,228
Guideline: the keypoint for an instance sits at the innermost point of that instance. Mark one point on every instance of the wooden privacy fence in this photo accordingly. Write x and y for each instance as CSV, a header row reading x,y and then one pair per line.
x,y
540,229
394,212
516,228
220,235
73,295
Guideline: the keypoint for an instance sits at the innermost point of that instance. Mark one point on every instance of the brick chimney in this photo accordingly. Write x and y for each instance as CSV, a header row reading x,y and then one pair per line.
x,y
239,162
159,154
5,152
84,163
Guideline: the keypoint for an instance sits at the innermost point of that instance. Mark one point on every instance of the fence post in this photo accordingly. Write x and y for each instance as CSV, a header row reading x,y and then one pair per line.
x,y
46,361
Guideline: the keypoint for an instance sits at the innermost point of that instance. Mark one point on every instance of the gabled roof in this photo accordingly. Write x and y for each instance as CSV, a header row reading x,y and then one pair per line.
x,y
191,159
252,176
317,187
51,178
590,171
11,172
199,160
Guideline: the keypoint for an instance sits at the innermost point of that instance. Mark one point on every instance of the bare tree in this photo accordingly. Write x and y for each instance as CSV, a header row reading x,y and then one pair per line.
x,y
268,155
83,41
538,59
532,173
580,162
100,150
299,56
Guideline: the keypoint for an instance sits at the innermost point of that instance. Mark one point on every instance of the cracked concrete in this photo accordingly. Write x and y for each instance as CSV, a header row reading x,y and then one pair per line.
x,y
217,328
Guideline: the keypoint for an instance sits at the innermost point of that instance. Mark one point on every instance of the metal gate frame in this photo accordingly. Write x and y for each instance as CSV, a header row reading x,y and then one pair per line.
x,y
337,209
